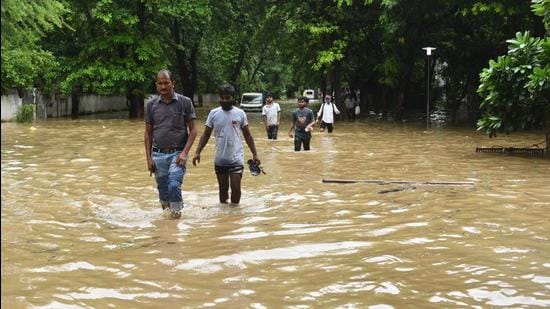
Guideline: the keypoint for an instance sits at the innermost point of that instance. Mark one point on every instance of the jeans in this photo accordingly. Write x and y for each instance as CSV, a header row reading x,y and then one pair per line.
x,y
169,178
272,131
302,139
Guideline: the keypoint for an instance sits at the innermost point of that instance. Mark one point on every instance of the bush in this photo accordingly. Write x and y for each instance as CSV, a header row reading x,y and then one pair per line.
x,y
515,87
25,113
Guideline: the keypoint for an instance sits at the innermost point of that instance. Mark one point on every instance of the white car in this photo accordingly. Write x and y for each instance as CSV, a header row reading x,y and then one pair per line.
x,y
310,94
252,101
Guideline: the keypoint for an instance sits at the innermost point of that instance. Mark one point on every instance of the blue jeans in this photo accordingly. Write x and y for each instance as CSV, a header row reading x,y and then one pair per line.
x,y
169,178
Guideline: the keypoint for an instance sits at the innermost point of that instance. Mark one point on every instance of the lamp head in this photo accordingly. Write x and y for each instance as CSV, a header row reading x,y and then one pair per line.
x,y
428,50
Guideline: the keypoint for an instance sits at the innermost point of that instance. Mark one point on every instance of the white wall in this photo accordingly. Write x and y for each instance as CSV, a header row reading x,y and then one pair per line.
x,y
62,106
10,104
207,98
101,103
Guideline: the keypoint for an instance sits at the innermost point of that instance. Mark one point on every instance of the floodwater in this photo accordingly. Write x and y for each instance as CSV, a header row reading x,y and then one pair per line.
x,y
82,227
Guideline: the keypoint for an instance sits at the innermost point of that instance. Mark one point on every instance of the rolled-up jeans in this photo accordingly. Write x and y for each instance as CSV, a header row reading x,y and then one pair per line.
x,y
169,178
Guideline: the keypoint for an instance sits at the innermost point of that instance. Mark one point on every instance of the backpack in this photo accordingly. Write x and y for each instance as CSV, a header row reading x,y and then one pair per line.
x,y
323,110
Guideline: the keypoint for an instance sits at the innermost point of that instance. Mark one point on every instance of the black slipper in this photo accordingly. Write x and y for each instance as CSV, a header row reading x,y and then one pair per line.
x,y
255,169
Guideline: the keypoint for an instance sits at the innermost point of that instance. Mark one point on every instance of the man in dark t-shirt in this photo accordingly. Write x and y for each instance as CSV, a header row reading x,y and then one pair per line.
x,y
302,125
170,131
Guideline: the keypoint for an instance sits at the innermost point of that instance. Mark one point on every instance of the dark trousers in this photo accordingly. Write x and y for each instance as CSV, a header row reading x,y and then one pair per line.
x,y
272,131
351,113
328,126
301,138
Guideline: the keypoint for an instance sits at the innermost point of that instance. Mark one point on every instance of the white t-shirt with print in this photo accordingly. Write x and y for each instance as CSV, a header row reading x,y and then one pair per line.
x,y
227,126
271,111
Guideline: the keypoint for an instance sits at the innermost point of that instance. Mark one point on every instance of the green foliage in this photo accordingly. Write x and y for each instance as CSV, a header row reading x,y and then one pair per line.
x,y
24,22
25,113
27,18
515,87
116,46
21,66
119,47
542,8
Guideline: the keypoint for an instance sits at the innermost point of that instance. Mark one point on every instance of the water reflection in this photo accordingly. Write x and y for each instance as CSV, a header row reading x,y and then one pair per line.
x,y
81,226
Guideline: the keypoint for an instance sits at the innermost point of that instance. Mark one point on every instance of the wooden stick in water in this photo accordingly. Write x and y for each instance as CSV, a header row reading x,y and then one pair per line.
x,y
383,181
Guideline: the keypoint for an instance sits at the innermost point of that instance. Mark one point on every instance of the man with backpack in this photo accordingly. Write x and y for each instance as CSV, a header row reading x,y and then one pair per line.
x,y
326,114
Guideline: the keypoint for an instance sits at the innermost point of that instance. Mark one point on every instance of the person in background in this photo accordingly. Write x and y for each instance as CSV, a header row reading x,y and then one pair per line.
x,y
271,113
302,125
227,122
327,114
170,131
350,106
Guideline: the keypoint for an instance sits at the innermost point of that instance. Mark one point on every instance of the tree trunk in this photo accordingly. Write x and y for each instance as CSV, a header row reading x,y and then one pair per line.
x,y
256,69
136,103
363,103
324,87
75,101
384,101
136,91
234,79
400,106
193,85
547,125
336,88
547,144
181,66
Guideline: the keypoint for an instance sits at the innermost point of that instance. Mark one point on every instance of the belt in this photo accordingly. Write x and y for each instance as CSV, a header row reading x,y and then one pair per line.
x,y
167,150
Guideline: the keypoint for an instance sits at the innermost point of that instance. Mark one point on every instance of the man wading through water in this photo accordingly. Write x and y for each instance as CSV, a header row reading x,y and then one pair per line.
x,y
227,122
326,114
170,131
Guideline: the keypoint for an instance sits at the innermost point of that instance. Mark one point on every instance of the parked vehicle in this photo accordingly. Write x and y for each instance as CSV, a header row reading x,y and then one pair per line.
x,y
311,95
252,101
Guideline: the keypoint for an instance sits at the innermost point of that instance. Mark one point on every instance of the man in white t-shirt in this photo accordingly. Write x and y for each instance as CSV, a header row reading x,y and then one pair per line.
x,y
271,113
227,122
326,114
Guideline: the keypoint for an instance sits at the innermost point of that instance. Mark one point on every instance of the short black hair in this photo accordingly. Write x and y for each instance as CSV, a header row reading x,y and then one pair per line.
x,y
226,89
306,99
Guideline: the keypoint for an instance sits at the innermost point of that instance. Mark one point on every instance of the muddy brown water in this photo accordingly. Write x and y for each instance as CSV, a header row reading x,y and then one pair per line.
x,y
82,228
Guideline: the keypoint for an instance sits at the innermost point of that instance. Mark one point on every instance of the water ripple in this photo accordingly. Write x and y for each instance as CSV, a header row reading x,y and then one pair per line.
x,y
101,293
505,297
258,256
72,267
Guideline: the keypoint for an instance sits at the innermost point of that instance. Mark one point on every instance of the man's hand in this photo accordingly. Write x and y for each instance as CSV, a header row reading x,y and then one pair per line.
x,y
256,159
181,159
196,159
151,167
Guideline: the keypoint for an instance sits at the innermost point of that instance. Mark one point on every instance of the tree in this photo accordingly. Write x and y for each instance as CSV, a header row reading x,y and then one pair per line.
x,y
116,49
187,21
515,88
24,22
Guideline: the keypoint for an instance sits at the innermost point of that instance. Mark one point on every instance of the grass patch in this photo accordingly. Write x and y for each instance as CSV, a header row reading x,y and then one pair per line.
x,y
25,113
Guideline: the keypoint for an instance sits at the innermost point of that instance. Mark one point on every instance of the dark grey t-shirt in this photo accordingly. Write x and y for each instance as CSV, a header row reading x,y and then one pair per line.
x,y
302,118
170,120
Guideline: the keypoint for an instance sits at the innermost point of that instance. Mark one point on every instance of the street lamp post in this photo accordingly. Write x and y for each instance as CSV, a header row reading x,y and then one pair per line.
x,y
428,54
